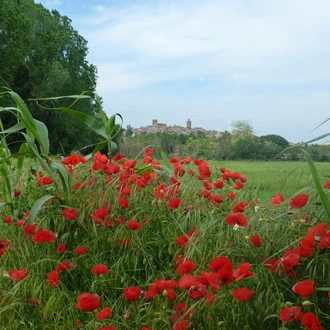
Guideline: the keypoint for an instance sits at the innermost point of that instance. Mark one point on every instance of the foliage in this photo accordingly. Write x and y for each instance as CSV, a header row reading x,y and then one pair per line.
x,y
275,139
41,55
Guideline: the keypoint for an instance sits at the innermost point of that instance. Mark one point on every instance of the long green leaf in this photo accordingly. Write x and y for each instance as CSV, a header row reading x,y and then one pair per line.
x,y
90,121
14,128
6,180
21,155
36,208
322,194
43,132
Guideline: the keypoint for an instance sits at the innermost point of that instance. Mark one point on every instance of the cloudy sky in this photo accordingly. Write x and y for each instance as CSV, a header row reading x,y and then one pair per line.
x,y
213,61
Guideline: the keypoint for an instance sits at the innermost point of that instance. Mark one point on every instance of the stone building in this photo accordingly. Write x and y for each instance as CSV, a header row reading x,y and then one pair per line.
x,y
163,128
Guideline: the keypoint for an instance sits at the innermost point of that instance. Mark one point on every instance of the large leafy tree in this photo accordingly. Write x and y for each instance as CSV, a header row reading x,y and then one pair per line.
x,y
42,55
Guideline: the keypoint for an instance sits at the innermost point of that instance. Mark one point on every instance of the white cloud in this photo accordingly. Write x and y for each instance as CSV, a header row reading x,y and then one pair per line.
x,y
270,43
262,60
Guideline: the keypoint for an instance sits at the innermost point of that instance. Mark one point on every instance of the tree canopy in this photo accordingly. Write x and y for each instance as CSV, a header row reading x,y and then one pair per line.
x,y
42,55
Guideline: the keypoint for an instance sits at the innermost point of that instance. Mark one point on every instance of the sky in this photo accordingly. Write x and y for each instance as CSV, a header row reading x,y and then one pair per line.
x,y
212,61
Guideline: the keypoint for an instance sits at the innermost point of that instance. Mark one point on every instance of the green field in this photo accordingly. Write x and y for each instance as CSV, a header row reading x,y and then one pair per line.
x,y
267,178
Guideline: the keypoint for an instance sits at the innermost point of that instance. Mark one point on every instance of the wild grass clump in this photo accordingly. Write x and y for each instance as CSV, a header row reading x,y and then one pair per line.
x,y
110,243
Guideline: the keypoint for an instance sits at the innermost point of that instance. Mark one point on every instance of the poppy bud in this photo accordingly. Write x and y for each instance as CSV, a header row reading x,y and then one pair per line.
x,y
307,303
165,293
288,303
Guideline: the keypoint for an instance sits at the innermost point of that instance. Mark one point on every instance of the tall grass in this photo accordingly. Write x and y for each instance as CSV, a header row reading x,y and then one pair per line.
x,y
186,238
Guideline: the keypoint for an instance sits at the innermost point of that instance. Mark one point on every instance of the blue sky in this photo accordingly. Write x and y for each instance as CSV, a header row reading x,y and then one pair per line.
x,y
213,61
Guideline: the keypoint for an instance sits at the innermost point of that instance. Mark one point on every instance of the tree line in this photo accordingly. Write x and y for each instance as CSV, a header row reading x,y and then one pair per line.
x,y
239,144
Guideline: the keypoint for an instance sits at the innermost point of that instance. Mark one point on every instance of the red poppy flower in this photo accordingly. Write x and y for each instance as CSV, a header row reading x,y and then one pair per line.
x,y
53,278
198,292
17,193
186,267
34,301
173,203
290,260
298,201
70,214
134,225
290,314
187,281
304,288
324,242
104,313
45,180
219,263
19,274
81,249
124,242
78,324
123,201
212,280
236,219
218,184
64,265
242,294
88,302
30,229
231,196
61,248
20,223
74,160
256,240
207,185
100,269
238,185
132,293
311,322
181,325
7,219
243,271
205,193
225,276
109,327
240,207
203,170
327,185
215,199
278,199
42,236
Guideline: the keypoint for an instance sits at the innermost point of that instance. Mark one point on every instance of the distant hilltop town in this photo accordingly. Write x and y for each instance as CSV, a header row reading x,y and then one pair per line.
x,y
157,127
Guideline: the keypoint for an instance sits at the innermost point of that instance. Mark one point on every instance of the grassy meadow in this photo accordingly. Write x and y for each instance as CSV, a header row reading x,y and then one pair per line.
x,y
270,177
112,243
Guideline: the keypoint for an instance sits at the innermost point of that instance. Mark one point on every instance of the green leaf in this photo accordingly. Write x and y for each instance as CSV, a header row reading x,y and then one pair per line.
x,y
90,121
14,128
43,133
4,174
110,125
323,289
322,194
36,208
21,155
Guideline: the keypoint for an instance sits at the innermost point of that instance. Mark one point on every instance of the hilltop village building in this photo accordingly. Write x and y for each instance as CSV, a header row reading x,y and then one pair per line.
x,y
163,128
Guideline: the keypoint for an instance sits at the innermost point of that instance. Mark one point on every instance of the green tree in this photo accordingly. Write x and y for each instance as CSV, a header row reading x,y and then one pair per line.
x,y
276,139
41,55
242,129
